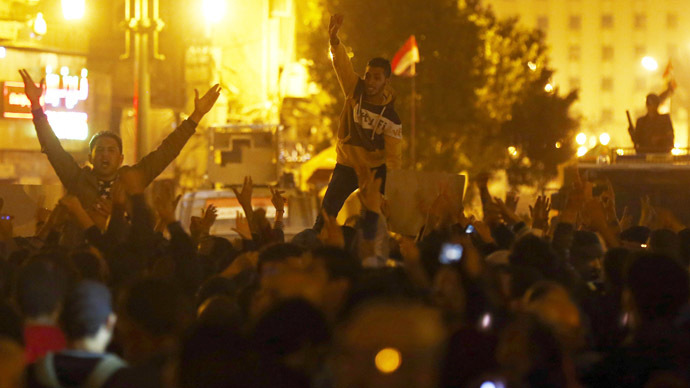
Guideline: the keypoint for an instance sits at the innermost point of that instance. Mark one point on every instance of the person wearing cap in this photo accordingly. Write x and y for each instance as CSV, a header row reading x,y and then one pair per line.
x,y
653,132
88,322
92,185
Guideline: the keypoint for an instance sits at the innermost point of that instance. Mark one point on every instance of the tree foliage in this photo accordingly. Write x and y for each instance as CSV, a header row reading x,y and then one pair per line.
x,y
480,83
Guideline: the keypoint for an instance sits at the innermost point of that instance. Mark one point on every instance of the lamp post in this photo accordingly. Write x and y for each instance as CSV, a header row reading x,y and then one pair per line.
x,y
142,21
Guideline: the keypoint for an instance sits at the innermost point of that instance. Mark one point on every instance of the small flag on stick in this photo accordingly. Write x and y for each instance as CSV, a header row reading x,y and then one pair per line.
x,y
405,58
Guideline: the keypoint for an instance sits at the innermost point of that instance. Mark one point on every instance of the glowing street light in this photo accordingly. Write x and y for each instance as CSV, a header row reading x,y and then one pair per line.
x,y
73,9
650,63
581,138
532,66
214,10
40,25
581,151
548,88
604,139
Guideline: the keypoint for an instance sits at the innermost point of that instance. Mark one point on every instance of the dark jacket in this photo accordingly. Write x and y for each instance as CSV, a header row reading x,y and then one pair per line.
x,y
82,182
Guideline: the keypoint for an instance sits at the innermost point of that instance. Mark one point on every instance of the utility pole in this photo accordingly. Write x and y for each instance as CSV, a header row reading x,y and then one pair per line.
x,y
141,19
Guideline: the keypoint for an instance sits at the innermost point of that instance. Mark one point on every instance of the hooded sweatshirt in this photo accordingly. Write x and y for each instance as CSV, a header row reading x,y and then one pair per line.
x,y
368,134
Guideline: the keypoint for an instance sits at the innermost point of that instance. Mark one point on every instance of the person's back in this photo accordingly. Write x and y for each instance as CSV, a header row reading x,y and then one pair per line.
x,y
88,322
654,134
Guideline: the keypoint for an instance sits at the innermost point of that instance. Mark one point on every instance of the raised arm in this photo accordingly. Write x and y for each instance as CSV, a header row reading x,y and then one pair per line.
x,y
63,163
155,162
341,61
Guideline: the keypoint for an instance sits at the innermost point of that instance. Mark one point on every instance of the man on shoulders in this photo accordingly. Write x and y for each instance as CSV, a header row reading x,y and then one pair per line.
x,y
92,185
370,131
653,132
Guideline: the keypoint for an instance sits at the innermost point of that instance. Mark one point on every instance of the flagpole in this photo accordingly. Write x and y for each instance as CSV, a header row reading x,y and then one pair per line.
x,y
413,135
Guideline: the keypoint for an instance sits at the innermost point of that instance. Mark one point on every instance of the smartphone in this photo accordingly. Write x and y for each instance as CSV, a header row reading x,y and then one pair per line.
x,y
469,229
450,253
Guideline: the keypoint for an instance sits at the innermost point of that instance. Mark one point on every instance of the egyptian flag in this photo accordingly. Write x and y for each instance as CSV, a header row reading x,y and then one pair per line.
x,y
669,77
405,58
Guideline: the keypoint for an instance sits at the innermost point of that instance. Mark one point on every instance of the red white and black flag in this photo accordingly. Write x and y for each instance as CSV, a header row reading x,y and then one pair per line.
x,y
405,58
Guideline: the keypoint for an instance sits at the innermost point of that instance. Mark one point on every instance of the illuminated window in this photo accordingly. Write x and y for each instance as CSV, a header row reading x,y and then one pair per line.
x,y
574,53
543,22
640,21
671,21
607,21
607,84
575,22
607,53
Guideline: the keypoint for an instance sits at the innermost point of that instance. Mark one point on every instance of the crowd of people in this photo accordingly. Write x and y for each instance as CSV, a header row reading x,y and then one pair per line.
x,y
113,292
580,298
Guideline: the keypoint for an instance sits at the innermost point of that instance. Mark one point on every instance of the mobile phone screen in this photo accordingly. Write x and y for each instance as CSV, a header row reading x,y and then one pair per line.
x,y
450,253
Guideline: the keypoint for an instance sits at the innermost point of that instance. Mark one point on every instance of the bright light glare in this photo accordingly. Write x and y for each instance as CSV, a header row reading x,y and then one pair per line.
x,y
3,52
558,144
604,139
581,138
492,384
486,321
512,151
532,66
73,9
40,25
650,63
581,151
214,10
548,88
678,151
69,125
388,360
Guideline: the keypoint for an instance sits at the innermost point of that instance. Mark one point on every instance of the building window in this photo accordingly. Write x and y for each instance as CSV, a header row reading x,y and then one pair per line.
x,y
607,53
574,83
671,21
607,84
607,115
640,21
574,53
575,22
543,23
640,51
607,21
640,84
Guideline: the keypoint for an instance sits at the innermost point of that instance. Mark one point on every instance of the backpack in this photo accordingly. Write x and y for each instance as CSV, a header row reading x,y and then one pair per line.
x,y
106,367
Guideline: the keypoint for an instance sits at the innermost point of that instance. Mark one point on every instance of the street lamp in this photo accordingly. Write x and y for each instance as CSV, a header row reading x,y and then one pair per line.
x,y
73,9
213,10
650,63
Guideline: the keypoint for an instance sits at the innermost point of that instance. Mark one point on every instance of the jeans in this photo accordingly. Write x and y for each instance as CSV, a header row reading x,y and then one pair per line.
x,y
342,184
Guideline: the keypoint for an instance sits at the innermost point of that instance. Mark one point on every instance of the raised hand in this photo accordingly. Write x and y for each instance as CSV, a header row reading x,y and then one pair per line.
x,y
165,205
32,91
332,233
204,104
242,226
333,28
277,199
369,189
540,213
208,217
244,197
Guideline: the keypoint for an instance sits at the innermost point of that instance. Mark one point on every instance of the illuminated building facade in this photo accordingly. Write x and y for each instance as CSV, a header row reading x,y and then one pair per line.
x,y
598,46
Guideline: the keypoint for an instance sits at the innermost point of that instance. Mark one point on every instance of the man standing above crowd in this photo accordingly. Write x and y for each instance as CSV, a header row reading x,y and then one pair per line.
x,y
92,184
370,131
653,132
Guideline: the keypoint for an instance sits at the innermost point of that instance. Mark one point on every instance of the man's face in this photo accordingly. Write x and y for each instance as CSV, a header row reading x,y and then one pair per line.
x,y
106,157
374,81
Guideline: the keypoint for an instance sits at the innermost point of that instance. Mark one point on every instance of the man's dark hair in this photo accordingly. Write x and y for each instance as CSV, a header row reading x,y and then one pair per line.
x,y
87,307
39,288
112,135
659,285
278,253
156,306
339,263
653,99
382,63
